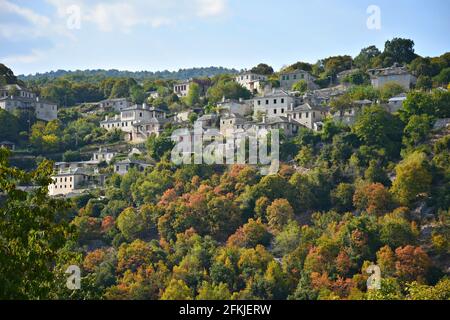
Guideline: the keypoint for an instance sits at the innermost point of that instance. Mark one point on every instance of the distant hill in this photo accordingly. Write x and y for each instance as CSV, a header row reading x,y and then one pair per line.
x,y
181,74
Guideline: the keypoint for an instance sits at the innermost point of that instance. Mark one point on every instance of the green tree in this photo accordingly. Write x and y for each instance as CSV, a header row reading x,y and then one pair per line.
x,y
31,232
263,69
300,86
9,126
177,290
364,59
417,130
413,177
132,223
193,96
378,128
400,50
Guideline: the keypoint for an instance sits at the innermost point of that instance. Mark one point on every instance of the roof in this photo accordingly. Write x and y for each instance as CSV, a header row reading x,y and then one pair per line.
x,y
308,107
275,93
150,121
362,102
394,70
143,107
232,116
400,97
132,161
347,72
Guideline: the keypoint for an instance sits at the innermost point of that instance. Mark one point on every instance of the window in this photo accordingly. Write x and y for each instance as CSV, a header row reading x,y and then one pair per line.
x,y
267,101
307,114
274,111
295,76
314,114
275,101
259,102
282,100
282,110
117,168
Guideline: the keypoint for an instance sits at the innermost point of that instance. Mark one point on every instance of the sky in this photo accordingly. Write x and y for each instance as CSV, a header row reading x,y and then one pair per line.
x,y
46,35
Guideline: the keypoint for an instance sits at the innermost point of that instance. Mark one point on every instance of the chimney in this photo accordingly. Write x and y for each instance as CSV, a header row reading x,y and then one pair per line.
x,y
264,119
241,99
37,99
106,118
223,99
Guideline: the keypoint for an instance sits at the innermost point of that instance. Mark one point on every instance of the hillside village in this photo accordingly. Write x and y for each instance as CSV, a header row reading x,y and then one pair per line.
x,y
364,178
280,106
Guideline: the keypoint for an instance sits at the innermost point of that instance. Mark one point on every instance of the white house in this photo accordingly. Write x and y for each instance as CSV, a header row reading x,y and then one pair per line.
x,y
253,82
236,106
122,167
273,104
395,103
103,154
115,104
74,181
308,115
131,119
13,97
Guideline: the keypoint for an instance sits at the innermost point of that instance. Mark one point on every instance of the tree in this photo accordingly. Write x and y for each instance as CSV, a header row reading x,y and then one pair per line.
x,y
443,78
412,263
157,146
279,213
342,197
417,103
250,234
228,89
9,128
137,94
210,291
132,223
378,128
263,69
364,59
391,89
374,198
7,75
417,130
193,96
31,232
424,83
400,50
177,290
412,178
300,86
386,261
396,231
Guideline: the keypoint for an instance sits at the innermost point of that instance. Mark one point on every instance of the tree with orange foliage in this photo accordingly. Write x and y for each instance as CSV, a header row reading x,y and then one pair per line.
x,y
412,263
252,233
374,198
279,213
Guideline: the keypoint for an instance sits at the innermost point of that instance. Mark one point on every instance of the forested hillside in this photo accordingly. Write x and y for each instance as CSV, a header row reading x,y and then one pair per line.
x,y
345,197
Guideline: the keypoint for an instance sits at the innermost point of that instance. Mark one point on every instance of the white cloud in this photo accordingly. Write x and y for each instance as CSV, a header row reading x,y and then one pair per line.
x,y
30,15
208,8
34,56
119,15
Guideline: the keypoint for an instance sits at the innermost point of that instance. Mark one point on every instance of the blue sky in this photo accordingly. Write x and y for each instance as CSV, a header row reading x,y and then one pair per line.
x,y
171,34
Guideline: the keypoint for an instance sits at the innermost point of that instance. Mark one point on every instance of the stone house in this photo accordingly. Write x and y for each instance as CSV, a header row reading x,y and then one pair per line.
x,y
287,79
396,73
